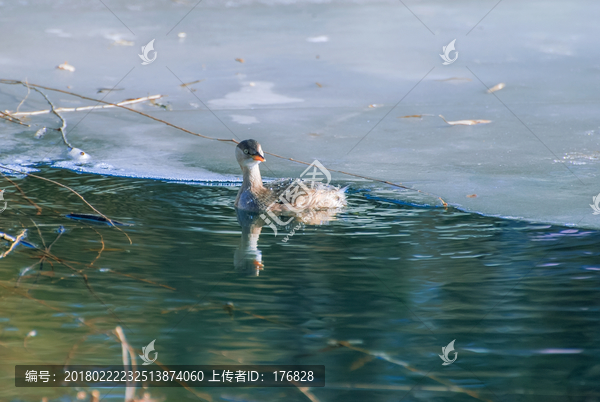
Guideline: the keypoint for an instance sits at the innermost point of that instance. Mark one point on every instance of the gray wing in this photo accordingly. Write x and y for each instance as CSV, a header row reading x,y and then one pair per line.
x,y
278,187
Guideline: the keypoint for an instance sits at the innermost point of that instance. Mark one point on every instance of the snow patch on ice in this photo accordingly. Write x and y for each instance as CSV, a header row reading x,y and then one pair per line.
x,y
260,93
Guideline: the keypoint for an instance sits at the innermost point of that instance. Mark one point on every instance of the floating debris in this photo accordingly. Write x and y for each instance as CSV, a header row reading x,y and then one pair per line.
x,y
101,90
472,196
419,116
465,122
240,60
376,105
123,42
165,106
40,133
66,66
94,218
319,85
181,35
496,88
190,83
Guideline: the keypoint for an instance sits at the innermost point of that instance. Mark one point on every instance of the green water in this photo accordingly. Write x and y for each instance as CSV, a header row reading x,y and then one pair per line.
x,y
398,282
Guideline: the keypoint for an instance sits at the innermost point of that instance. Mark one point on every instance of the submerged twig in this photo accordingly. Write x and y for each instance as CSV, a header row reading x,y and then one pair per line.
x,y
101,250
306,392
37,207
142,280
413,369
75,347
47,254
74,192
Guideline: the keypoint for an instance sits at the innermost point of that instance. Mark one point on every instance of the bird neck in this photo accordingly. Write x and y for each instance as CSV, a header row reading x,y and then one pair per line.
x,y
252,178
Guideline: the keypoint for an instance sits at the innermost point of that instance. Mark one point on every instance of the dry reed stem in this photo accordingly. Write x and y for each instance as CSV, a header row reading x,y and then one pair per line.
x,y
7,237
126,354
83,108
15,243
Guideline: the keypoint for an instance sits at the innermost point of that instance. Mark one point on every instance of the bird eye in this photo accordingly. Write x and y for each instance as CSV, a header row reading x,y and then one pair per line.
x,y
245,151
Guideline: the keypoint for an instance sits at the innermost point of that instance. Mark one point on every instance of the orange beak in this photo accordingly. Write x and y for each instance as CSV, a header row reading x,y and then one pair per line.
x,y
258,158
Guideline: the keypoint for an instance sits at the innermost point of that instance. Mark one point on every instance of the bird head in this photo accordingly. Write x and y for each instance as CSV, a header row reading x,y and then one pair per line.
x,y
249,153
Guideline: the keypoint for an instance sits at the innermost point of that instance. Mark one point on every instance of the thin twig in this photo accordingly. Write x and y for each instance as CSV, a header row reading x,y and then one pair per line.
x,y
37,207
101,250
74,192
47,254
39,232
414,370
82,108
63,121
26,96
143,280
75,347
8,117
14,82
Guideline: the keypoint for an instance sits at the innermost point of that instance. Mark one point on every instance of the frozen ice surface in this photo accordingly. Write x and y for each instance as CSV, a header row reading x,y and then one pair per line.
x,y
306,75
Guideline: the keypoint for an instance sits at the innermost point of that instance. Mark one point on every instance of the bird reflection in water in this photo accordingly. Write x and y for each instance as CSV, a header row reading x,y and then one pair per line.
x,y
247,258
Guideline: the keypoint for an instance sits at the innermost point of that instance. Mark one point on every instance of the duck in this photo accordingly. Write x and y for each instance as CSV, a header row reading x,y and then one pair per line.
x,y
283,195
